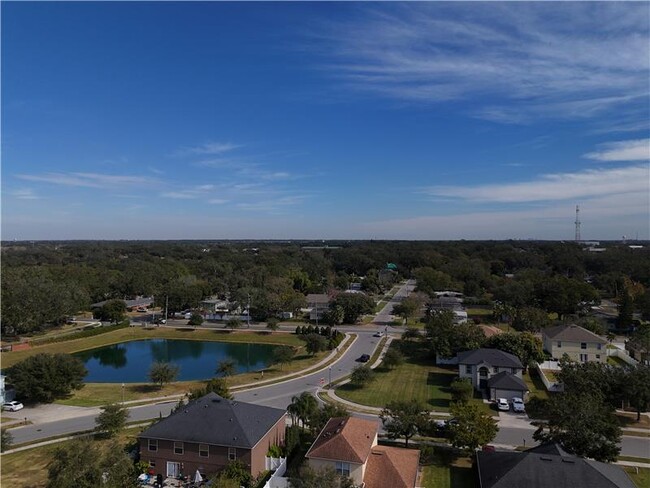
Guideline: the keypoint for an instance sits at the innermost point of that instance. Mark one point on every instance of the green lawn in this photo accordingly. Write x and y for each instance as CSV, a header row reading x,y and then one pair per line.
x,y
535,384
449,474
616,361
417,379
640,479
28,468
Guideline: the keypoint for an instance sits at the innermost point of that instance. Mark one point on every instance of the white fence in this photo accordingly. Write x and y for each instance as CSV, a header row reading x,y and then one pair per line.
x,y
552,365
277,480
550,385
616,352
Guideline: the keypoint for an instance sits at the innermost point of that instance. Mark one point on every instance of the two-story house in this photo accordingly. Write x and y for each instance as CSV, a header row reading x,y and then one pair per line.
x,y
317,305
579,344
210,432
349,446
493,370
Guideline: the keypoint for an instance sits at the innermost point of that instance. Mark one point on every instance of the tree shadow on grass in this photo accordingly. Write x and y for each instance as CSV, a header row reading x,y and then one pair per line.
x,y
145,388
442,382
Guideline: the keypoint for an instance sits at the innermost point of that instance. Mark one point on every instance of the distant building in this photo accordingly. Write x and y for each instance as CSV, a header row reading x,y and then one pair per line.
x,y
131,305
317,305
579,344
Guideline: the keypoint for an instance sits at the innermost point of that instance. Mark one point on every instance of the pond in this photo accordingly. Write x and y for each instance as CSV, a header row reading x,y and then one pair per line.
x,y
129,362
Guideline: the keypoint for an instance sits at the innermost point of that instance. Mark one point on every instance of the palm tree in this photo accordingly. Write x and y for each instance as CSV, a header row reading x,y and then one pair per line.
x,y
226,367
302,408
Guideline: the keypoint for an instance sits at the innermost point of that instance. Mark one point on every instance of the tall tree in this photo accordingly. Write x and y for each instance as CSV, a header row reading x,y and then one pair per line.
x,y
81,464
46,377
226,367
404,419
325,477
473,428
392,358
111,420
213,385
112,311
302,408
461,390
408,308
283,355
637,388
361,375
354,305
524,345
162,373
582,424
314,343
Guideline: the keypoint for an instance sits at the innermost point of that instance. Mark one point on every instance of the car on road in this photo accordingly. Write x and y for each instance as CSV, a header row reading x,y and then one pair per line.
x,y
378,334
364,358
12,406
518,405
502,404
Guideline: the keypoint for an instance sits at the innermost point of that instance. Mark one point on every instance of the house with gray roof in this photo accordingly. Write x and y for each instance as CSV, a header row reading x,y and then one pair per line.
x,y
495,371
546,466
579,344
210,432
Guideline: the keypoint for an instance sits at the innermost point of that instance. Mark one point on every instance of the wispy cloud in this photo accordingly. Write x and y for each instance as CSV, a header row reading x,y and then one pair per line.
x,y
90,180
25,194
214,148
567,60
562,186
634,150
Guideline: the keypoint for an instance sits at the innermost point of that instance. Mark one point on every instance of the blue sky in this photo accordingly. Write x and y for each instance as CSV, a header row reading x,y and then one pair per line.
x,y
325,120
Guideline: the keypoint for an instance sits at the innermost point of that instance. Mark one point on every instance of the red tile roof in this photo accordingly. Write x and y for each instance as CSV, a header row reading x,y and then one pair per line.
x,y
392,467
347,439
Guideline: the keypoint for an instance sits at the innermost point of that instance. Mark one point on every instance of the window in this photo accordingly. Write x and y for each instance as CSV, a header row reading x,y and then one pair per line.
x,y
178,448
232,454
583,345
153,444
597,356
599,346
468,369
559,343
513,370
204,450
152,464
343,468
496,369
584,358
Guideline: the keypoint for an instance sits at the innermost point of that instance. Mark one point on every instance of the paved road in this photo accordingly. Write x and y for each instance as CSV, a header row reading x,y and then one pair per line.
x,y
280,394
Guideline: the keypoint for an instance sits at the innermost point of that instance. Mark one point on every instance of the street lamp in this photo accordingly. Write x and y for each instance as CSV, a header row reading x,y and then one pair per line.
x,y
330,385
122,393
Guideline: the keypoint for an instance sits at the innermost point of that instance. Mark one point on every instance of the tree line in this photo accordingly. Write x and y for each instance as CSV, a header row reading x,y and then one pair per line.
x,y
45,282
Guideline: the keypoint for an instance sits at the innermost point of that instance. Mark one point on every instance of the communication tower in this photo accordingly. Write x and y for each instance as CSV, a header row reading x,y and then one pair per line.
x,y
577,223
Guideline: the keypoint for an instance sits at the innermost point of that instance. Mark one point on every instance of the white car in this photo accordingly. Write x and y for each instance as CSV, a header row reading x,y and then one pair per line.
x,y
379,334
518,405
12,406
502,404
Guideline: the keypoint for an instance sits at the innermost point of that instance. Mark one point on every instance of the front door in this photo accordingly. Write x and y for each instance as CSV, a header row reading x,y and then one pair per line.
x,y
173,469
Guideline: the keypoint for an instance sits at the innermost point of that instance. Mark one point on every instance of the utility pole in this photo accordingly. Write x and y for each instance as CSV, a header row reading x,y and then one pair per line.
x,y
166,307
248,314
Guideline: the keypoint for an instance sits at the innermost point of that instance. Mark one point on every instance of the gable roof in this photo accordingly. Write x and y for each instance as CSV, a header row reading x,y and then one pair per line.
x,y
212,419
507,381
391,466
538,470
493,357
346,439
572,333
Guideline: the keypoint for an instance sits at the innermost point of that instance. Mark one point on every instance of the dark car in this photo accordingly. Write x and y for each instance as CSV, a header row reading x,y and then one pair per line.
x,y
364,358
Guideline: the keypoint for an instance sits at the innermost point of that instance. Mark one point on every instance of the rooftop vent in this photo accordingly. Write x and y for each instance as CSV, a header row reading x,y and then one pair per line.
x,y
543,458
570,461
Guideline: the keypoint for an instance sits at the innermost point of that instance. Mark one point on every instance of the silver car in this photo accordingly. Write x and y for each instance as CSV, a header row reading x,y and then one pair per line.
x,y
12,406
518,405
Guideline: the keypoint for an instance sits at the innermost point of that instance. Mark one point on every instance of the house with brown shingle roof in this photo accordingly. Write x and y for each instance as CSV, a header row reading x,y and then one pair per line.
x,y
349,446
579,344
